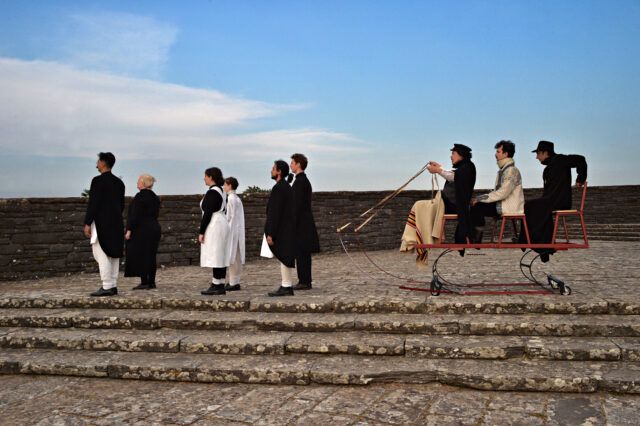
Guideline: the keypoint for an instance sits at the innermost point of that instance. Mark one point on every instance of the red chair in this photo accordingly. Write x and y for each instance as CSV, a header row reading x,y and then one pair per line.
x,y
564,213
444,221
513,217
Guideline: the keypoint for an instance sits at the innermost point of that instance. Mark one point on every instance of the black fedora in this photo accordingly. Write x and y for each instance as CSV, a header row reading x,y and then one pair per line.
x,y
544,146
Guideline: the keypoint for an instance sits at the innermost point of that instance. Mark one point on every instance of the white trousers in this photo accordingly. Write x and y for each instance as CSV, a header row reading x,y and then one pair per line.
x,y
287,275
109,267
234,271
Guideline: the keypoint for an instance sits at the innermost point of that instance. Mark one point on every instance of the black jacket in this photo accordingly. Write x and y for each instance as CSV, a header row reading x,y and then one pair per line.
x,y
464,181
210,204
106,204
306,233
280,222
556,195
142,221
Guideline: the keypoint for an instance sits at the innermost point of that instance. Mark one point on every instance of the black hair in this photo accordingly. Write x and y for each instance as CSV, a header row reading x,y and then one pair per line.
x,y
464,153
107,158
283,167
215,174
300,159
233,182
508,148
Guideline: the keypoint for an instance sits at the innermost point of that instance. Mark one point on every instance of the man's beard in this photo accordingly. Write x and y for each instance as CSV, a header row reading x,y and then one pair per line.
x,y
274,177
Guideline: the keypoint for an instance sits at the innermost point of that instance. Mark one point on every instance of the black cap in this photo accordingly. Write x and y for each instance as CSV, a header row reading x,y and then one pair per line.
x,y
463,150
544,146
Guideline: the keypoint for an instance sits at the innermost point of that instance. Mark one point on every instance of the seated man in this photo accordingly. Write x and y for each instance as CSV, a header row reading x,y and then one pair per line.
x,y
556,194
506,198
458,189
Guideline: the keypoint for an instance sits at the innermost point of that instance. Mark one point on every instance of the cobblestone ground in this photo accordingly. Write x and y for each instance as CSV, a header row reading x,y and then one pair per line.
x,y
608,270
43,400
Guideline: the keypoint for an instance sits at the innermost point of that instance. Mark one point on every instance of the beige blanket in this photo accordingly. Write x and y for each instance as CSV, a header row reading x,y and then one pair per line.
x,y
423,227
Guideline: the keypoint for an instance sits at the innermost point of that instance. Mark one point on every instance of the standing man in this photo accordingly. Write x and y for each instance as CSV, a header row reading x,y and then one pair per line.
x,y
556,194
458,189
306,234
506,198
103,223
279,227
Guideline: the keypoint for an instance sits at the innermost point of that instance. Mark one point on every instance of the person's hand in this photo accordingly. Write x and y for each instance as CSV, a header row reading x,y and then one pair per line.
x,y
87,231
269,240
127,235
474,201
201,238
579,184
434,167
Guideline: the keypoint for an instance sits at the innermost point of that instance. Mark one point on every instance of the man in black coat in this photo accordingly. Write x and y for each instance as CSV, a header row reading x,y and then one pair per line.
x,y
279,227
103,223
306,234
556,194
458,189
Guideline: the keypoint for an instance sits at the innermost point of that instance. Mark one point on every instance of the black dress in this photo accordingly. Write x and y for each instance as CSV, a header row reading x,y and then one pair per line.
x,y
280,223
556,196
142,247
106,204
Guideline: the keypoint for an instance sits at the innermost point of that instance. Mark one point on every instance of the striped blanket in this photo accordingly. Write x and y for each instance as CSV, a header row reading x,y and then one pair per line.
x,y
422,227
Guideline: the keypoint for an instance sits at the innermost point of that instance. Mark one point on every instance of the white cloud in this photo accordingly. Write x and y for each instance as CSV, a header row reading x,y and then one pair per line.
x,y
47,108
120,43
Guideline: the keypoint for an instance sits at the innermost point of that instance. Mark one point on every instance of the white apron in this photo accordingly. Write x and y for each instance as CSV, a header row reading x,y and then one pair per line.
x,y
214,253
235,217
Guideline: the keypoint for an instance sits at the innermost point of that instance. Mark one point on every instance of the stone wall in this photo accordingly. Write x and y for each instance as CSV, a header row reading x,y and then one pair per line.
x,y
43,236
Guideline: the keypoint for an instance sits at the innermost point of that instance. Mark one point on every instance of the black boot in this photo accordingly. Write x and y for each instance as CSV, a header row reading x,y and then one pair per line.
x,y
229,287
214,290
476,236
282,291
144,286
102,292
145,283
302,286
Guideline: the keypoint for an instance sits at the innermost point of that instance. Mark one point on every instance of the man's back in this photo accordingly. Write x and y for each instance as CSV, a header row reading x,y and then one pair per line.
x,y
106,204
557,179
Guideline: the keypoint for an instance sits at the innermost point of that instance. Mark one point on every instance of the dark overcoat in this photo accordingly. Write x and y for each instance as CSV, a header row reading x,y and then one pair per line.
x,y
556,195
142,221
457,198
280,223
106,204
306,233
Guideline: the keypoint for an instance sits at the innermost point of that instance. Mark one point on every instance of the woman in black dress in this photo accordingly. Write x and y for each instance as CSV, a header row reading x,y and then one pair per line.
x,y
143,234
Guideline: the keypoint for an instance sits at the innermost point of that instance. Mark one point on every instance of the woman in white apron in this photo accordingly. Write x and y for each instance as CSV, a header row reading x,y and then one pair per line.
x,y
214,231
235,217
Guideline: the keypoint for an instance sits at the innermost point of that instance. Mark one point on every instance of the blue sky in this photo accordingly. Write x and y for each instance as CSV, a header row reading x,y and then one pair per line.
x,y
369,90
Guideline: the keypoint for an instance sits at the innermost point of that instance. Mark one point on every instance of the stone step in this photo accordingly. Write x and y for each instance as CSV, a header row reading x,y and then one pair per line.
x,y
354,343
412,304
471,324
512,375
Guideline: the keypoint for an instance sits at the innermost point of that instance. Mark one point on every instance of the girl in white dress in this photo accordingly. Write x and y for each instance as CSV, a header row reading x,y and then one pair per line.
x,y
235,217
214,231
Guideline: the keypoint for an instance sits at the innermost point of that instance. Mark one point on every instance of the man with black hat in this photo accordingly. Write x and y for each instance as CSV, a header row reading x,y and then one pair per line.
x,y
103,223
458,189
556,194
